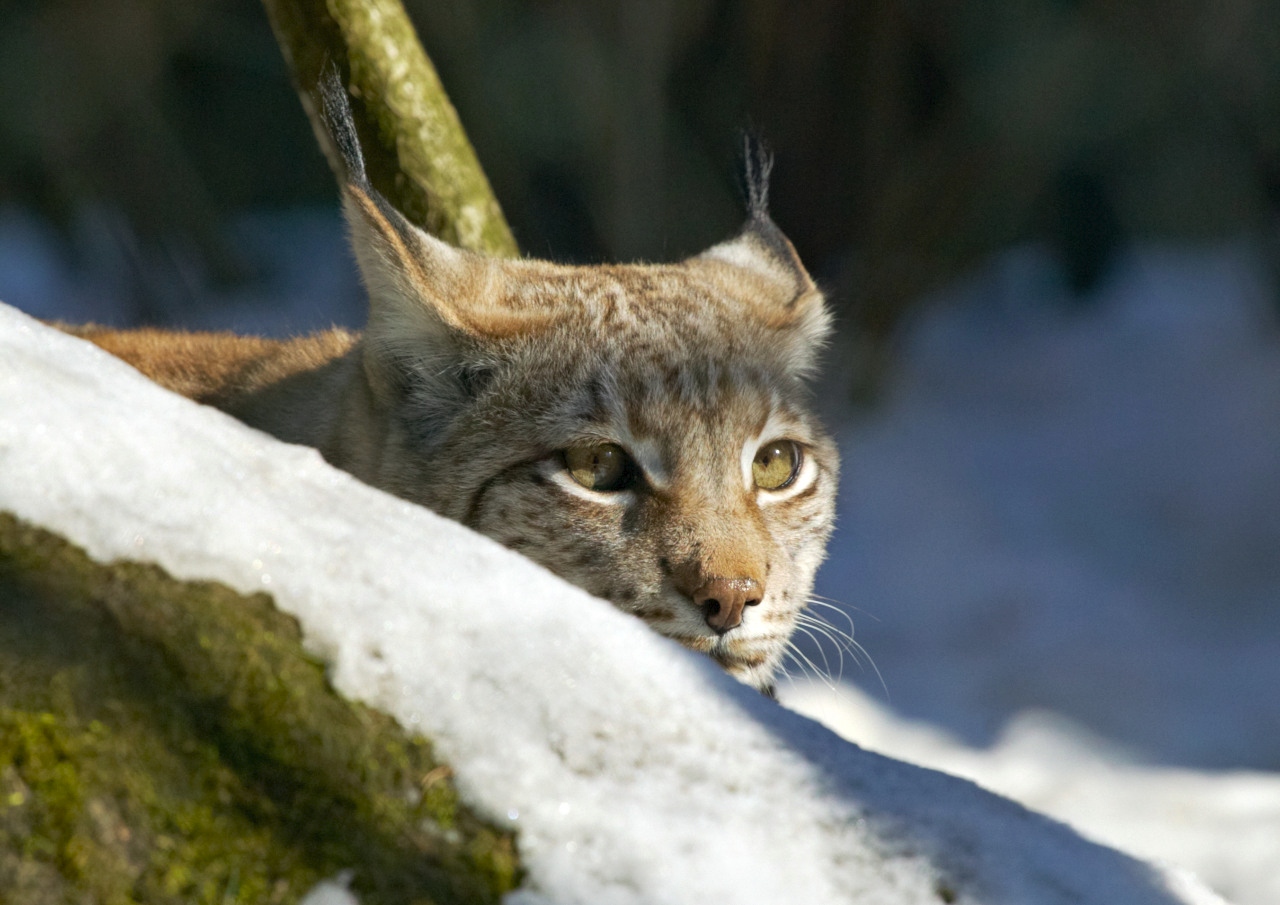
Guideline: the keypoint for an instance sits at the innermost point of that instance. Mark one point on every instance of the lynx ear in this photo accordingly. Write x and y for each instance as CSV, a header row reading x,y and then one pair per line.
x,y
424,294
431,306
436,316
417,343
761,266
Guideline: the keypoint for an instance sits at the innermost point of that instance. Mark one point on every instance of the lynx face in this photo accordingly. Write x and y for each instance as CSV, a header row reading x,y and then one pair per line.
x,y
690,491
639,430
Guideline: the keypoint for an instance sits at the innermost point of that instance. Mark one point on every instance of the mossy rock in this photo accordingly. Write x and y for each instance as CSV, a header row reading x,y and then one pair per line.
x,y
171,742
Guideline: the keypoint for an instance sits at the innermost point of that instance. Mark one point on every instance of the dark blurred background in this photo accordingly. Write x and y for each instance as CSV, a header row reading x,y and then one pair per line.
x,y
912,138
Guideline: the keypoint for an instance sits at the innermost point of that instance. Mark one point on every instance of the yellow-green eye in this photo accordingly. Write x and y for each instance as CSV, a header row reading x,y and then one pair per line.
x,y
605,467
776,464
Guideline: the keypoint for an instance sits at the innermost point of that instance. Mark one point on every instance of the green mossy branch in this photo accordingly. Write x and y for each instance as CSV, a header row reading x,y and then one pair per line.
x,y
417,153
171,742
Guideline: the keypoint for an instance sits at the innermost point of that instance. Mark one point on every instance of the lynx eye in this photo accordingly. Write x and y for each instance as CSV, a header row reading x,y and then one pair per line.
x,y
776,464
604,467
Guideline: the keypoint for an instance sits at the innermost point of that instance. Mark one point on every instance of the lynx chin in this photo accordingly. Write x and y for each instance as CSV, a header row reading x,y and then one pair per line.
x,y
639,429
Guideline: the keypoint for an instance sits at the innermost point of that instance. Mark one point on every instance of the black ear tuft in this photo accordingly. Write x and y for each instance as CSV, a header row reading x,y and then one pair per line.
x,y
336,111
757,165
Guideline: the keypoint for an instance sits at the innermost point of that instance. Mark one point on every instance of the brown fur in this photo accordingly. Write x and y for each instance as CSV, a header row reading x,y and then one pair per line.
x,y
217,368
299,390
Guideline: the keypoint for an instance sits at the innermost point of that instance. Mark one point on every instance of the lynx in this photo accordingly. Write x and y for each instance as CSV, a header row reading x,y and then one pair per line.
x,y
639,429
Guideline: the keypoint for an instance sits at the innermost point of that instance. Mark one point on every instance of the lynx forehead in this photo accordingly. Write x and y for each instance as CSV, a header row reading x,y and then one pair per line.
x,y
639,429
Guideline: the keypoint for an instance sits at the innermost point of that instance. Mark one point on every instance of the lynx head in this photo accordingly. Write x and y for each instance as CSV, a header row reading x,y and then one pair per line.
x,y
639,429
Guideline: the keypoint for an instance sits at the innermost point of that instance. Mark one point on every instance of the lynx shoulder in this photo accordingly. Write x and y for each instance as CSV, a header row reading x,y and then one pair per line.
x,y
639,429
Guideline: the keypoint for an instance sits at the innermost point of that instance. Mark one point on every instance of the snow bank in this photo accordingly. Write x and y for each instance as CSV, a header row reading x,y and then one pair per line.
x,y
632,770
1224,826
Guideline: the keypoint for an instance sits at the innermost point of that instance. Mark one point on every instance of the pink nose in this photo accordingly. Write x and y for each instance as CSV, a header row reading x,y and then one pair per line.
x,y
723,599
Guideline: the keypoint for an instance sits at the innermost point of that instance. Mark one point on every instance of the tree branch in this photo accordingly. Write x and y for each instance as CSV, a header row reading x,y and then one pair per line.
x,y
418,155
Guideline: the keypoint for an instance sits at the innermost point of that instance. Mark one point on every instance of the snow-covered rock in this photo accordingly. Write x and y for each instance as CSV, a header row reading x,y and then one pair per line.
x,y
632,770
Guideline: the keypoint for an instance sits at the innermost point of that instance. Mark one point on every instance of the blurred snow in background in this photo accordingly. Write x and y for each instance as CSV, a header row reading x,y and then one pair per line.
x,y
300,274
1076,507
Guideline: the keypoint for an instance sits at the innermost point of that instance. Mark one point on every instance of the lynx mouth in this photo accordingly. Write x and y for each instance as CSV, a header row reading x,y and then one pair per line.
x,y
731,650
748,656
750,659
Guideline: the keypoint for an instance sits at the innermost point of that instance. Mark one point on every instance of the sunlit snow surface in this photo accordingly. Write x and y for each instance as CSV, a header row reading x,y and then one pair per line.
x,y
633,771
1059,540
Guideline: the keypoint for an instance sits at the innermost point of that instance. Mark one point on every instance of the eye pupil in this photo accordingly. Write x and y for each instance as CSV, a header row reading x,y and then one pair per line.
x,y
776,464
605,467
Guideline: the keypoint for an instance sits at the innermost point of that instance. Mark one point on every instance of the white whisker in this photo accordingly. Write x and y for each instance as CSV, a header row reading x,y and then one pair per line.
x,y
815,628
789,653
826,664
832,603
801,660
844,614
817,625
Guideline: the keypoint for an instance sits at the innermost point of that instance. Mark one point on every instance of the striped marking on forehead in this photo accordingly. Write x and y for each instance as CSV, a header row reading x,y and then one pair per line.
x,y
704,396
646,411
707,412
611,297
658,410
701,385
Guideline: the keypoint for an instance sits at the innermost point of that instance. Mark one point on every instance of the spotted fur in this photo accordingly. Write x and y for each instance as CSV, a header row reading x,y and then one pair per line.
x,y
475,374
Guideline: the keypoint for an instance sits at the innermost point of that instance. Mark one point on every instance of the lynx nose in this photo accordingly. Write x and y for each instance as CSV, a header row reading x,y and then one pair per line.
x,y
723,599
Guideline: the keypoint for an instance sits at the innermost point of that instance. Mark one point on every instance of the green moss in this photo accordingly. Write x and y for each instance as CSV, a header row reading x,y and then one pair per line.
x,y
166,741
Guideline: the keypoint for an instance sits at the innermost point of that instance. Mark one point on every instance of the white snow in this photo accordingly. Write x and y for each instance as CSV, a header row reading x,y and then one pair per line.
x,y
1059,539
633,770
1225,827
